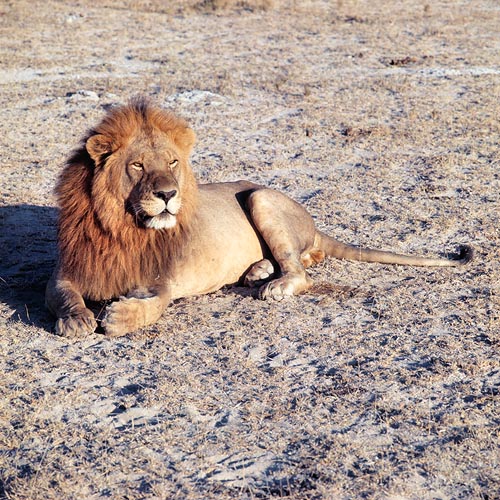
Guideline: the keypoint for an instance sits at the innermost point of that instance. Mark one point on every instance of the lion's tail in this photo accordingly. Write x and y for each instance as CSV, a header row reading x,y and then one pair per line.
x,y
340,250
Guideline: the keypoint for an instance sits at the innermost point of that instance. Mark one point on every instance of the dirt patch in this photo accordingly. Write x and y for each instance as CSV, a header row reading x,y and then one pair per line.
x,y
381,118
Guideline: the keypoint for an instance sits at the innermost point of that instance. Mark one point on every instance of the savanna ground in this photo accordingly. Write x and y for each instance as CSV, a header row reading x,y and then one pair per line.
x,y
382,117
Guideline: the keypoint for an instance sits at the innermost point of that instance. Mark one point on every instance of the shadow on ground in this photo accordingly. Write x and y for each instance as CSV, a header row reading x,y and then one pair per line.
x,y
27,258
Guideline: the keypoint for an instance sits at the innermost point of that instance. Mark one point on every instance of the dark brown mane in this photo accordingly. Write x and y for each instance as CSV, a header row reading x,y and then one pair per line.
x,y
107,257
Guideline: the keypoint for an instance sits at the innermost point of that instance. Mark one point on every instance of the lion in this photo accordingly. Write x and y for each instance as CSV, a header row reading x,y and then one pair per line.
x,y
135,226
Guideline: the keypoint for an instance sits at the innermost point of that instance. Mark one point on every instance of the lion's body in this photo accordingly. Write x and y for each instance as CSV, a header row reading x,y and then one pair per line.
x,y
219,254
134,225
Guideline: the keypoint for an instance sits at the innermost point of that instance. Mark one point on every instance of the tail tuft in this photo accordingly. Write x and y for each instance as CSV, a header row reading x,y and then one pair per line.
x,y
464,256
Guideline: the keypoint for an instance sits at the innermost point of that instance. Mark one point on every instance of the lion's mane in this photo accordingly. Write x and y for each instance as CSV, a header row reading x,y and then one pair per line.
x,y
101,248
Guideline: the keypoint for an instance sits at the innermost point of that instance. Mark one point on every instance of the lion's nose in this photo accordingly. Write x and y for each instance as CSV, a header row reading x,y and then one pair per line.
x,y
166,196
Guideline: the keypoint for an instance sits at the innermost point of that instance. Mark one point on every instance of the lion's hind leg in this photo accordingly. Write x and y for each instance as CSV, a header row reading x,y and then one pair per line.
x,y
259,273
288,231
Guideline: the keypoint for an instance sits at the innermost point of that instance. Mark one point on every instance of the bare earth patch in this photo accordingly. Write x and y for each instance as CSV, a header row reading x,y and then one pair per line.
x,y
383,382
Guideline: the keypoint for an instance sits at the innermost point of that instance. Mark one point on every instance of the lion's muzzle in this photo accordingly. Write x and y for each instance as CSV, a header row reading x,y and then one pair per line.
x,y
159,210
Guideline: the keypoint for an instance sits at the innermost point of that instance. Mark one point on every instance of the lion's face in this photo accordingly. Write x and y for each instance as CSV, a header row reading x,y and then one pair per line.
x,y
153,177
148,174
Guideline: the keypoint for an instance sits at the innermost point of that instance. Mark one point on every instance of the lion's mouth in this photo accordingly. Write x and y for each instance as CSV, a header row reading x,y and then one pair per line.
x,y
164,213
164,220
156,213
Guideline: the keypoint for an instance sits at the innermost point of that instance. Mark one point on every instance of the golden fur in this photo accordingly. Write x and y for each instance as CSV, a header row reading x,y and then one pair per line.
x,y
135,226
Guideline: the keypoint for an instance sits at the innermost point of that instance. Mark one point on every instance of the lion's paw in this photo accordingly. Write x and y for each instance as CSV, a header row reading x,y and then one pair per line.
x,y
286,286
259,273
76,325
121,317
277,289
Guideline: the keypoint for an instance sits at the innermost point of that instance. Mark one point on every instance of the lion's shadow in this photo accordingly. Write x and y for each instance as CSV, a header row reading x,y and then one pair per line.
x,y
28,250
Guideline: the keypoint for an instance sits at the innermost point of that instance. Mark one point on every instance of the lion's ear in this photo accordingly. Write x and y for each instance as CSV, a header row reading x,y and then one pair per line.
x,y
98,145
184,138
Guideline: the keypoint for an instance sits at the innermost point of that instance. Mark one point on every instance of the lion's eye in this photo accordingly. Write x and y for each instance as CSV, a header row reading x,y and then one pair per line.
x,y
136,165
173,163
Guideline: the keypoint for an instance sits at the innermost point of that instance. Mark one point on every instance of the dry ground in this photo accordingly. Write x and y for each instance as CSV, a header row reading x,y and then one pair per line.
x,y
382,117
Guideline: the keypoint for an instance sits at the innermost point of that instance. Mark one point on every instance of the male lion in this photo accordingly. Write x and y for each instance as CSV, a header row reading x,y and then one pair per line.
x,y
134,225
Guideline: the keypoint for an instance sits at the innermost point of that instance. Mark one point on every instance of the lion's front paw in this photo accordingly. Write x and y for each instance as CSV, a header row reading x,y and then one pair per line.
x,y
76,325
131,313
259,273
121,317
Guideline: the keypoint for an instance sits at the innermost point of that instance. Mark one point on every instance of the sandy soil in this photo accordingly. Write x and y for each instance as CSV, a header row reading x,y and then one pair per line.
x,y
382,118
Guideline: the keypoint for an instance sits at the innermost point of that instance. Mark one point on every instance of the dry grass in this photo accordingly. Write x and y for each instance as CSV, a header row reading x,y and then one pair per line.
x,y
382,118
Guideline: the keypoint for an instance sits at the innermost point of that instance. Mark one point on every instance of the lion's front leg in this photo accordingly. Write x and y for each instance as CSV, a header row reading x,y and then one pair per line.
x,y
135,311
66,303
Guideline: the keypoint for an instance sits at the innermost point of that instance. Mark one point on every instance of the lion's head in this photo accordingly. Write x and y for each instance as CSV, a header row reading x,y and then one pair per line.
x,y
141,158
127,197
